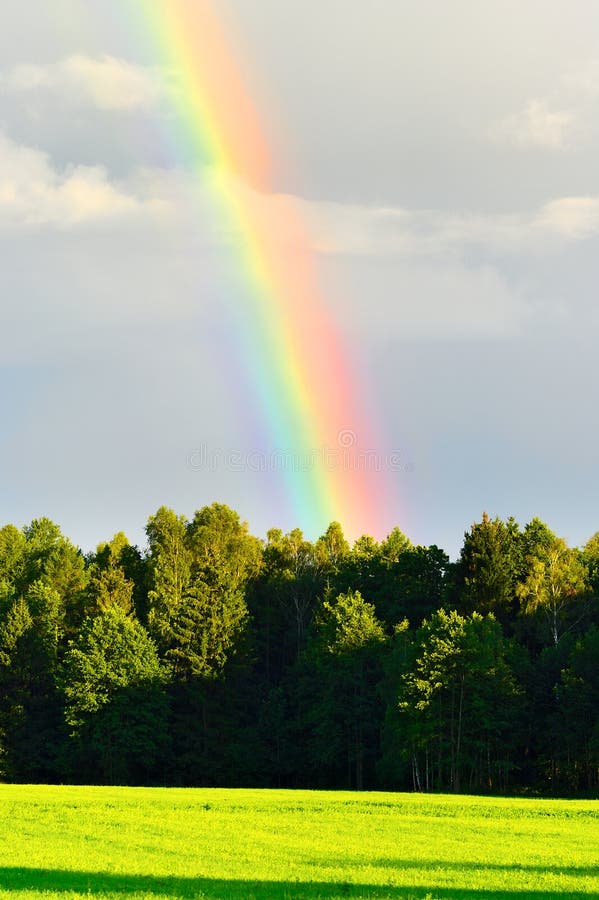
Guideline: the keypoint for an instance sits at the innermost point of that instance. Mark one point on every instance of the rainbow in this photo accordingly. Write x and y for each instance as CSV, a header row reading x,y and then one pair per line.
x,y
298,366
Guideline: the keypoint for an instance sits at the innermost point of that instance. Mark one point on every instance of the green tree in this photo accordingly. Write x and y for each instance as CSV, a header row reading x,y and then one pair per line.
x,y
109,588
114,700
212,615
206,631
119,554
199,574
414,585
169,567
108,582
342,671
29,707
457,702
362,566
393,546
385,573
536,535
332,549
554,586
295,581
577,721
15,625
590,559
54,561
48,612
12,560
490,561
224,553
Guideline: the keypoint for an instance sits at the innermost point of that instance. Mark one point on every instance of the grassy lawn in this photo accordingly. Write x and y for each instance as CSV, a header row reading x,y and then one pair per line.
x,y
141,842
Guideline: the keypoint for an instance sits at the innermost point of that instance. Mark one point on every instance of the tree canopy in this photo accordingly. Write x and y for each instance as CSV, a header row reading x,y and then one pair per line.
x,y
213,657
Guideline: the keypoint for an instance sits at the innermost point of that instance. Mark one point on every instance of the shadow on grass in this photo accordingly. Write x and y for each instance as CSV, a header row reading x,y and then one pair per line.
x,y
523,868
106,884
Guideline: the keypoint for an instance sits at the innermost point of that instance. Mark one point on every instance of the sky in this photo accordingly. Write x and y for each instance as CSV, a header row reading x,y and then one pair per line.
x,y
443,157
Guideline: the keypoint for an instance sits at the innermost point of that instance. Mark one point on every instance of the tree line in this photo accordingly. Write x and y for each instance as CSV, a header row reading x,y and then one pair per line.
x,y
212,657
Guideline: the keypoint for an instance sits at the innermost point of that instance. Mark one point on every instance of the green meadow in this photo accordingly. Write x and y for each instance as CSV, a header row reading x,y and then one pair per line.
x,y
212,843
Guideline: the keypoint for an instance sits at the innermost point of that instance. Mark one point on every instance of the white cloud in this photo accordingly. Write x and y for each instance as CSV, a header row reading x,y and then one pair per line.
x,y
537,125
353,230
105,82
575,218
34,193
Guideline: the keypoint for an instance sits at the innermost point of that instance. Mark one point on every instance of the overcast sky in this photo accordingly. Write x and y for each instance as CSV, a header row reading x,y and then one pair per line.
x,y
444,156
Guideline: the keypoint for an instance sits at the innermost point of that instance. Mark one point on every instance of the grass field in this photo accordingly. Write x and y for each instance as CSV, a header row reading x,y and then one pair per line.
x,y
138,842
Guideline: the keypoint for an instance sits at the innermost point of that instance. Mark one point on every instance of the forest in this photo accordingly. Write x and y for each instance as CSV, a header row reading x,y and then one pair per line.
x,y
211,657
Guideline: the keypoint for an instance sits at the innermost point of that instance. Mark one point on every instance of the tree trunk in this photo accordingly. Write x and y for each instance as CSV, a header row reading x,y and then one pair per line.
x,y
456,784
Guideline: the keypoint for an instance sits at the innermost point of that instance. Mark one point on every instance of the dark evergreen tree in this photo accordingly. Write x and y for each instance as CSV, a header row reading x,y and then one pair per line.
x,y
576,723
488,569
30,708
341,711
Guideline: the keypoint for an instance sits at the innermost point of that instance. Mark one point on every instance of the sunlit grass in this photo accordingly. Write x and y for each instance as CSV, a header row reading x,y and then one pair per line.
x,y
292,844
